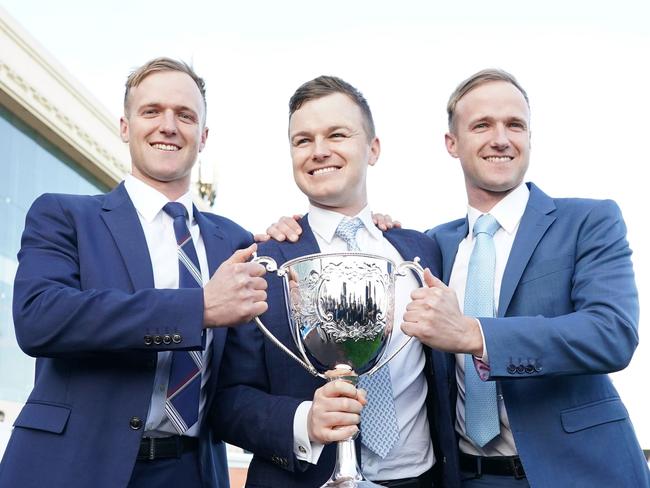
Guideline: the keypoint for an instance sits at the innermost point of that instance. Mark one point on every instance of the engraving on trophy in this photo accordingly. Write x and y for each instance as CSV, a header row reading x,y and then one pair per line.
x,y
340,311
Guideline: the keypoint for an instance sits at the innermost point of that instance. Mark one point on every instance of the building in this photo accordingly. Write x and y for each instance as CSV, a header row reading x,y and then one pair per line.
x,y
56,137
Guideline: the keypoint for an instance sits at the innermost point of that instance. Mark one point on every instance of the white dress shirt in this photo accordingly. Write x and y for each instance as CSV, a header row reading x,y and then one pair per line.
x,y
158,230
412,455
508,213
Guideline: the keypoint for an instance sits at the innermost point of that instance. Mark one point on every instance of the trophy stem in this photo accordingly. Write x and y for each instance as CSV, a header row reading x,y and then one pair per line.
x,y
346,470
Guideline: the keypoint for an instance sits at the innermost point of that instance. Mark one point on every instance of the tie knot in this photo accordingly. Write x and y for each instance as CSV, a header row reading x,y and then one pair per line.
x,y
347,230
175,209
486,224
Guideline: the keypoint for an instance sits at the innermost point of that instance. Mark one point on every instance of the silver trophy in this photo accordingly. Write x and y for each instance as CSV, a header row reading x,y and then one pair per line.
x,y
340,309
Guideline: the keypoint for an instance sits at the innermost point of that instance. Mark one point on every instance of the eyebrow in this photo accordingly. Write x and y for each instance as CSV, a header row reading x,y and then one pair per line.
x,y
332,128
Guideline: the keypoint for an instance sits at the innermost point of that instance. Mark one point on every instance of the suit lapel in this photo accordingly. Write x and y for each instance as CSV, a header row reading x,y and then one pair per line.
x,y
307,244
449,241
122,221
217,250
534,224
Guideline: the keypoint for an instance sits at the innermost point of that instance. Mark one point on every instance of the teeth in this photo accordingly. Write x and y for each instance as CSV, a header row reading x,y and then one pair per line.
x,y
498,159
165,147
329,169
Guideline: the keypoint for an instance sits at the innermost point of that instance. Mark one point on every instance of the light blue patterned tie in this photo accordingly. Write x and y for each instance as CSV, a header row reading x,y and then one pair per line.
x,y
379,429
481,411
183,392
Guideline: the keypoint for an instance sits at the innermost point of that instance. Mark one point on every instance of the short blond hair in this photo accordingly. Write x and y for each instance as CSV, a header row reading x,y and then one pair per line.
x,y
476,80
157,65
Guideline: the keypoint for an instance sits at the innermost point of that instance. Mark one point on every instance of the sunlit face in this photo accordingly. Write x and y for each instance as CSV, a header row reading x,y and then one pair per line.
x,y
331,153
164,126
491,138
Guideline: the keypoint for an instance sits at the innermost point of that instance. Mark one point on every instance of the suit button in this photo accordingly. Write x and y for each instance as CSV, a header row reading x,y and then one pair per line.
x,y
177,338
148,340
157,340
512,369
135,423
530,369
521,369
538,369
167,339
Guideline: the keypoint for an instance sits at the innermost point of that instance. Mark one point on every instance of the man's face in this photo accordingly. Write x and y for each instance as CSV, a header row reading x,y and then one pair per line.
x,y
331,153
491,137
164,126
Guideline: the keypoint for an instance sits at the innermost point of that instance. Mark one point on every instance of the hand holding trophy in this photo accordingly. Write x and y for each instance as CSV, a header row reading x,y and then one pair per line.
x,y
340,310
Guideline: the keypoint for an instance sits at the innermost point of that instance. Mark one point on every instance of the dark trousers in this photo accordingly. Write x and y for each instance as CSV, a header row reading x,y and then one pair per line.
x,y
168,473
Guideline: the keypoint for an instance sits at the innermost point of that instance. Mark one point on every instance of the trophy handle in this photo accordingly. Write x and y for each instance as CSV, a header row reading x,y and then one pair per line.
x,y
401,271
272,267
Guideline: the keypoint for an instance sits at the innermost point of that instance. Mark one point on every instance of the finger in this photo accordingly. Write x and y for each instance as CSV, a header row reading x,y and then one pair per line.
x,y
261,237
292,223
411,329
242,255
431,281
254,270
397,224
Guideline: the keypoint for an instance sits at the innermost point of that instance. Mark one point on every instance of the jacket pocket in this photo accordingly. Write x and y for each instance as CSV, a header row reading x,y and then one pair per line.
x,y
544,267
43,416
592,414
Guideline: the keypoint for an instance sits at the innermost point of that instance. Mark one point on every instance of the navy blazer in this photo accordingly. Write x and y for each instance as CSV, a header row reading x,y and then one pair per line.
x,y
568,315
85,306
261,386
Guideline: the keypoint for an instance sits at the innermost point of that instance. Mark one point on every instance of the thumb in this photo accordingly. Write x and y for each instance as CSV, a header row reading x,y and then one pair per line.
x,y
430,280
242,255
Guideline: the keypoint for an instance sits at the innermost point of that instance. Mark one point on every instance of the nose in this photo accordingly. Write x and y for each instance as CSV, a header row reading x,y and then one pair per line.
x,y
500,140
321,150
168,123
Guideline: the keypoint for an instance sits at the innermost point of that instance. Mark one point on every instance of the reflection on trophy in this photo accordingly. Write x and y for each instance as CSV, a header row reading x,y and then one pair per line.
x,y
340,309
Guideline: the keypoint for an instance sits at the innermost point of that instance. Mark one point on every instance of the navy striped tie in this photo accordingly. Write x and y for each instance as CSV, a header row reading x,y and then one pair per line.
x,y
184,389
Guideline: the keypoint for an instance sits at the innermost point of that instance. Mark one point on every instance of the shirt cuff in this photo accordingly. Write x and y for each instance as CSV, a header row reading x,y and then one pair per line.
x,y
303,448
482,364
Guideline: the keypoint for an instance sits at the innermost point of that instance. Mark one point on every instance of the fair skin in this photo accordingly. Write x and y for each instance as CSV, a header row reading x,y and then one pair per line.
x,y
491,138
164,125
331,153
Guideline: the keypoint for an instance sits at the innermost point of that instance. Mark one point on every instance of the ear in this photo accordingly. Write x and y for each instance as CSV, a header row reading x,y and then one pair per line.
x,y
450,143
124,129
204,137
375,149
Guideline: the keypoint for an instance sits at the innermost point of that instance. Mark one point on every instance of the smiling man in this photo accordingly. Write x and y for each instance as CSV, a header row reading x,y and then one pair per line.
x,y
123,299
274,408
540,305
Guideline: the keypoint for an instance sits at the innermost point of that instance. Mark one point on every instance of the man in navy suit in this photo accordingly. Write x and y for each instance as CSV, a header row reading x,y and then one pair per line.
x,y
274,408
97,302
566,310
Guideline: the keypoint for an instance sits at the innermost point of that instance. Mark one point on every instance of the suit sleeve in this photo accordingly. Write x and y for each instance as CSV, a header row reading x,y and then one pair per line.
x,y
247,413
584,318
55,317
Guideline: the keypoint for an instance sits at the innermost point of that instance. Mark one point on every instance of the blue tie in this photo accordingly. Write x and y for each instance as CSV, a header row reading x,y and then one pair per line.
x,y
481,411
379,426
184,389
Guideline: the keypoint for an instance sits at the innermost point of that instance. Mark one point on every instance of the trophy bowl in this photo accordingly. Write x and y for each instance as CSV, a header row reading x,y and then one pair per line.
x,y
340,309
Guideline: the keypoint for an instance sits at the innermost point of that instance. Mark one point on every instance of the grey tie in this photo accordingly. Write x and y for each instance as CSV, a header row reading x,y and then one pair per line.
x,y
379,429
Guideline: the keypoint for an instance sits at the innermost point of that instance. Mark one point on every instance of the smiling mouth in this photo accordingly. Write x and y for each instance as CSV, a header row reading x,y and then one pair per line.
x,y
320,171
165,147
498,159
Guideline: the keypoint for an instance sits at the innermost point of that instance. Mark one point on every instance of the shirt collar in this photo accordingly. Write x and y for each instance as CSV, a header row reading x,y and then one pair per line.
x,y
508,211
324,222
148,201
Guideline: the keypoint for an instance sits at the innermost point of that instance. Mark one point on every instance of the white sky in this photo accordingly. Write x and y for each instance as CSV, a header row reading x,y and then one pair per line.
x,y
584,64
